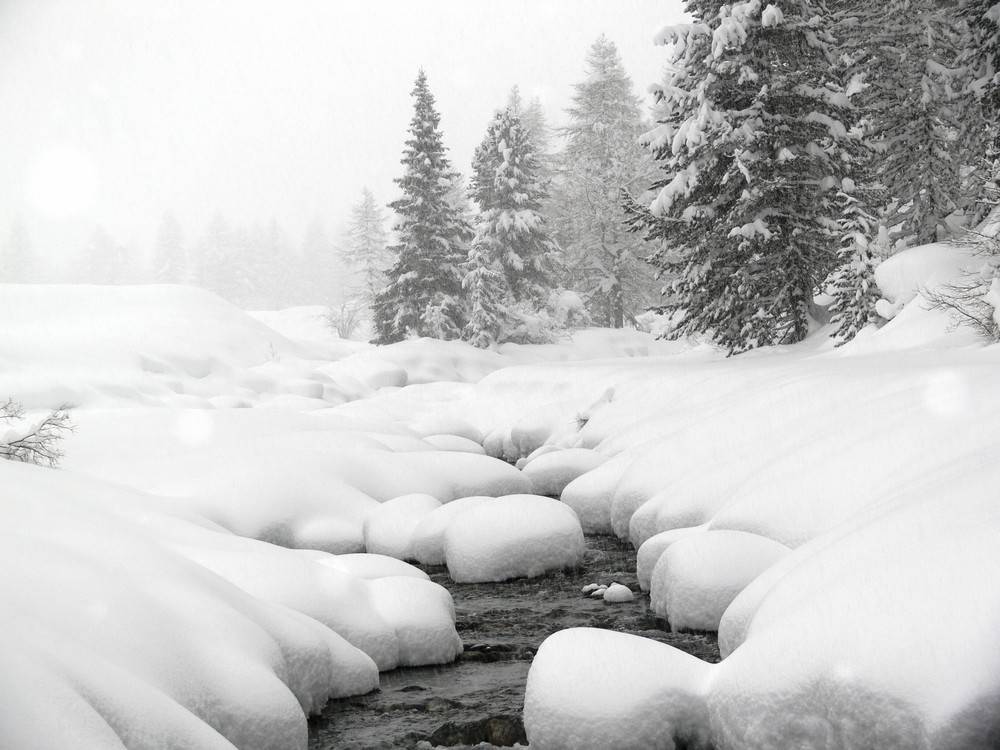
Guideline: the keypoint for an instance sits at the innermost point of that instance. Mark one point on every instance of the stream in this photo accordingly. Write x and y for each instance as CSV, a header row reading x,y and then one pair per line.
x,y
479,698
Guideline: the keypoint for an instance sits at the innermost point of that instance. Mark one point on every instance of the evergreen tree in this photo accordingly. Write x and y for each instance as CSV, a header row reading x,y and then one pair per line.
x,y
980,56
532,117
423,296
104,260
852,284
321,274
168,255
510,199
366,252
912,92
513,261
17,262
754,146
216,258
603,156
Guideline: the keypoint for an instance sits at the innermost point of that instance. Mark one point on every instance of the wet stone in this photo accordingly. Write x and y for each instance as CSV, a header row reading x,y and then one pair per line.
x,y
502,625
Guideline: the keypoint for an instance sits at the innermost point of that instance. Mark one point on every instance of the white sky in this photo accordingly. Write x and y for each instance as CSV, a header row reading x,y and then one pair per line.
x,y
114,111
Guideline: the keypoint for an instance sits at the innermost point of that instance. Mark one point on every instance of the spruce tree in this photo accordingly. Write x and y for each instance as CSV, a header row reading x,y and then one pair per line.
x,y
365,252
513,261
753,145
602,156
168,255
423,296
912,92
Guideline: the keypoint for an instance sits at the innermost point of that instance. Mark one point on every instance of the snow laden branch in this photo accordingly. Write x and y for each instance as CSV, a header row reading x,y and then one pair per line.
x,y
33,442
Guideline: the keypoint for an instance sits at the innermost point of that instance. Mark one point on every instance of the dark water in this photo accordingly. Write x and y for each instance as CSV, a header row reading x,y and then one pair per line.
x,y
479,698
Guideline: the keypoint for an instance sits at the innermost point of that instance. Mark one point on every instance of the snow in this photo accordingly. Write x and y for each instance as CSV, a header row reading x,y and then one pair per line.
x,y
616,593
519,536
388,529
193,569
698,576
551,472
591,688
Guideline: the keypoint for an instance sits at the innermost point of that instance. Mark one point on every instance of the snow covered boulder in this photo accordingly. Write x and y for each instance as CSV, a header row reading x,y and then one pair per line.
x,y
698,576
551,471
423,614
428,535
518,536
454,443
591,689
590,494
653,548
389,528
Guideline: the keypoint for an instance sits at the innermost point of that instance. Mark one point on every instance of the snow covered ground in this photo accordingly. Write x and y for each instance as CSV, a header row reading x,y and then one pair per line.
x,y
190,572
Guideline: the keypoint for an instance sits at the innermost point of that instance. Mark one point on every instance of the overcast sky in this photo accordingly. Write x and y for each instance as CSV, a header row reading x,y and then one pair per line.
x,y
113,111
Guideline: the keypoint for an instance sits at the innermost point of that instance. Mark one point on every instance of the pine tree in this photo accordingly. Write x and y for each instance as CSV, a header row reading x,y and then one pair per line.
x,y
911,89
603,156
423,296
510,199
168,255
513,261
366,253
104,260
17,261
532,117
216,258
852,284
753,143
980,57
321,273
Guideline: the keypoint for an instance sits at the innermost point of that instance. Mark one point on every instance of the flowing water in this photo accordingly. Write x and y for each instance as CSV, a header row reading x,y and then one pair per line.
x,y
479,698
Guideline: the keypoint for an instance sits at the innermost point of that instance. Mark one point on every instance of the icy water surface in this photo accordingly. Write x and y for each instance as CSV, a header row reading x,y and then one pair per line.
x,y
479,698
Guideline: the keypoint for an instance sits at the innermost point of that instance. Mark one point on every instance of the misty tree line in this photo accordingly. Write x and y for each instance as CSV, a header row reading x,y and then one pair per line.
x,y
258,268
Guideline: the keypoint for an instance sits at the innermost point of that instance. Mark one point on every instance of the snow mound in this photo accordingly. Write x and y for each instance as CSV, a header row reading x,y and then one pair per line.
x,y
653,548
423,614
602,690
590,494
195,657
512,537
429,533
389,528
551,472
699,575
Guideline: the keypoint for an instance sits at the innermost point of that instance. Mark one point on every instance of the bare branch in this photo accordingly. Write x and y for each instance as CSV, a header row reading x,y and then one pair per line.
x,y
33,443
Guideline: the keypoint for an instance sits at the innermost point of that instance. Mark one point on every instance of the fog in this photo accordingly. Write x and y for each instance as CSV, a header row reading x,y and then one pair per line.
x,y
272,114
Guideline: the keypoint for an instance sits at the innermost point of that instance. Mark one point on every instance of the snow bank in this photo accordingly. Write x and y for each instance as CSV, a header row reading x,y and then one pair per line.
x,y
193,657
429,533
512,537
590,688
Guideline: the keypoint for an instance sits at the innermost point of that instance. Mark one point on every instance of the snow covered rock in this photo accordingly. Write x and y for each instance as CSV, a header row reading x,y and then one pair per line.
x,y
590,494
454,443
550,472
591,689
699,575
423,614
616,593
428,535
651,550
389,528
512,537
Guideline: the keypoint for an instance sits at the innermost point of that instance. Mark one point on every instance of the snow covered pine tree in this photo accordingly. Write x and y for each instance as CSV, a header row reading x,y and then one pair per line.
x,y
423,296
753,146
603,156
512,263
